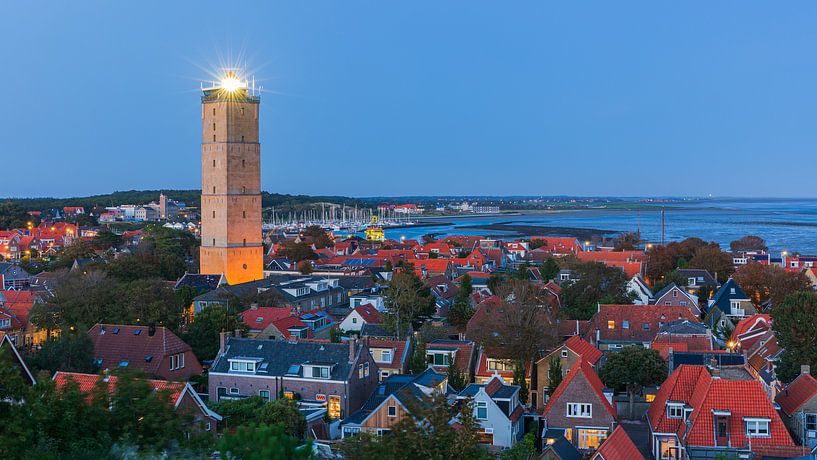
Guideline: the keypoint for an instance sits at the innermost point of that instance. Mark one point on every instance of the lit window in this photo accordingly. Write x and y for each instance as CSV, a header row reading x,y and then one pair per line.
x,y
334,406
611,324
591,439
625,324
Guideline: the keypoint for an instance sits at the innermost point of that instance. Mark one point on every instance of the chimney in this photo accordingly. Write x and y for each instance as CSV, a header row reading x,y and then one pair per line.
x,y
352,349
222,342
805,369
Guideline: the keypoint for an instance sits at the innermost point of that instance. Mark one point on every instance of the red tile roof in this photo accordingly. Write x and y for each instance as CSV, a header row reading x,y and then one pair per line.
x,y
284,324
583,368
494,385
17,306
462,358
693,386
369,314
756,322
570,327
261,317
431,266
483,371
399,347
636,317
115,343
797,393
584,349
86,383
618,446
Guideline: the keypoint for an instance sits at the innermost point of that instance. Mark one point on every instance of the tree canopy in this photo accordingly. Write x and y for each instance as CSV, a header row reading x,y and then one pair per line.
x,y
596,283
794,322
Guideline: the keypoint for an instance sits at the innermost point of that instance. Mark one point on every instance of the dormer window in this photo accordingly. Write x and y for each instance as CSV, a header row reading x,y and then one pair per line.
x,y
564,353
757,427
242,365
675,410
320,372
691,281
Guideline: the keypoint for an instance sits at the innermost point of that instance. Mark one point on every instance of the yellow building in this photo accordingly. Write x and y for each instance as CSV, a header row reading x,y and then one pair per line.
x,y
231,182
375,232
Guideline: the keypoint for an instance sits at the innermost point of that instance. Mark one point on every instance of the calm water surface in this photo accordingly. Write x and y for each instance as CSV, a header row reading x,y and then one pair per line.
x,y
785,224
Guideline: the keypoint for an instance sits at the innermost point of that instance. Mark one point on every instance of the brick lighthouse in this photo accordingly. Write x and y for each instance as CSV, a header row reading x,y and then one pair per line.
x,y
231,182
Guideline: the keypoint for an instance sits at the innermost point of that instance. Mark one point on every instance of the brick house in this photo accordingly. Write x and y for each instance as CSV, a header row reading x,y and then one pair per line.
x,y
393,401
340,375
574,349
798,405
580,407
614,327
698,415
674,296
183,397
155,350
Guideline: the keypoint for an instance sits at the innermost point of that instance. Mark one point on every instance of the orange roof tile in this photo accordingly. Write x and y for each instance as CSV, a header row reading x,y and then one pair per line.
x,y
618,446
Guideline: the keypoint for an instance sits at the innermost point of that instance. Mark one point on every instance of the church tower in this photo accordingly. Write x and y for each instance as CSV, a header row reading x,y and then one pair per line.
x,y
231,182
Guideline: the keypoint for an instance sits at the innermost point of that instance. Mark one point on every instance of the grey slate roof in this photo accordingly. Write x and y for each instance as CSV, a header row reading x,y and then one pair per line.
x,y
375,330
13,272
198,282
683,327
722,299
404,387
563,448
702,277
278,356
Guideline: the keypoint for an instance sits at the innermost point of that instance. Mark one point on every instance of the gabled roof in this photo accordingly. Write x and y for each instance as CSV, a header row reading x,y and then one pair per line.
x,y
369,314
693,387
200,282
797,393
25,372
668,288
636,316
407,390
702,277
175,390
724,296
555,440
584,349
462,358
618,446
580,370
116,343
261,317
400,347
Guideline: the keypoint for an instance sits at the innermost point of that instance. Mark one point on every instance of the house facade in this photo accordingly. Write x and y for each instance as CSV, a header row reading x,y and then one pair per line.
x,y
155,350
572,351
339,375
580,408
798,404
498,410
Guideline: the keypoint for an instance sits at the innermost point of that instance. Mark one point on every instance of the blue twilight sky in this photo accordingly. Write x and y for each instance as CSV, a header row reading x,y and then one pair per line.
x,y
419,97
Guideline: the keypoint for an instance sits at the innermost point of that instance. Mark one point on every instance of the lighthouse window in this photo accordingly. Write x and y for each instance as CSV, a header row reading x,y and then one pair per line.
x,y
242,138
214,163
214,126
214,189
242,161
244,215
214,110
242,111
245,241
214,214
214,137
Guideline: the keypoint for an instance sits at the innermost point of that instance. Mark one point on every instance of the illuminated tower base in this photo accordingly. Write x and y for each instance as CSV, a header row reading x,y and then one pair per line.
x,y
231,183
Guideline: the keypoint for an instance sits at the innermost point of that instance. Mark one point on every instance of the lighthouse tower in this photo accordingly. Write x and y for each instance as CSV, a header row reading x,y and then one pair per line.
x,y
231,181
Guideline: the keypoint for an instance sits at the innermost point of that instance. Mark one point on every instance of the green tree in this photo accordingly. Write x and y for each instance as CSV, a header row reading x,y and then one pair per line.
x,y
69,352
632,369
263,442
595,282
408,300
794,322
286,413
549,269
203,333
456,378
522,272
13,216
519,379
712,259
106,239
296,252
668,278
748,243
525,449
461,310
78,249
419,362
554,375
626,241
305,267
770,283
